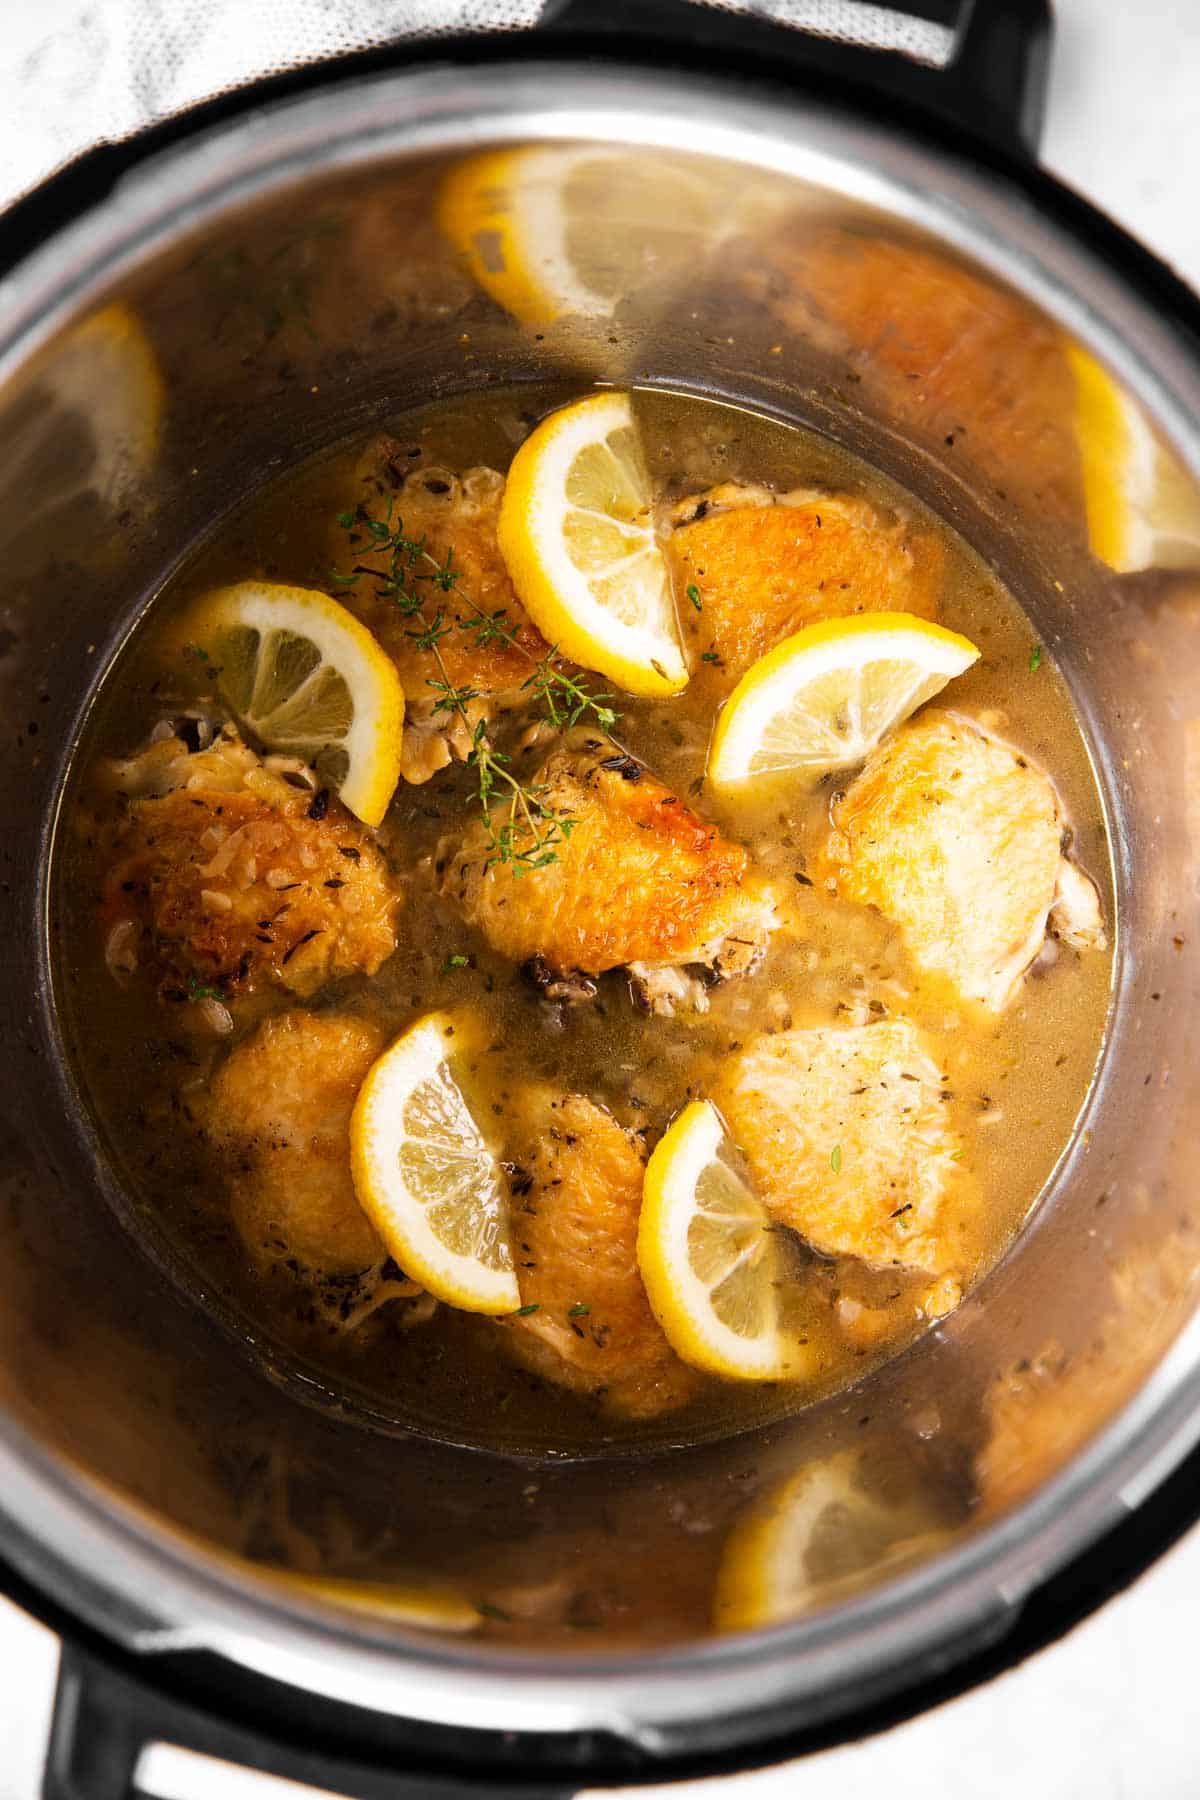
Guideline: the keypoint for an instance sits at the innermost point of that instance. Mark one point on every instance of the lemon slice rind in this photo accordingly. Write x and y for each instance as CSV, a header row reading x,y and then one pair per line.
x,y
683,1301
407,1600
393,1603
577,534
411,1129
349,699
824,697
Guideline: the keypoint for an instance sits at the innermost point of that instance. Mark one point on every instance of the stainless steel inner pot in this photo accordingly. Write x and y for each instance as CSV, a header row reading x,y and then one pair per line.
x,y
132,1423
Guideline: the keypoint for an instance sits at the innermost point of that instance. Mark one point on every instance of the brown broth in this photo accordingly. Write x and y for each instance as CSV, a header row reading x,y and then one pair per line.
x,y
1018,1082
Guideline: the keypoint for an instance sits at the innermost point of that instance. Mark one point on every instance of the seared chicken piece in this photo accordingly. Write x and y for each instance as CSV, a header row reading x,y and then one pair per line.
x,y
231,874
764,564
1041,1408
491,648
1036,1411
577,1194
279,1111
640,883
844,1132
965,361
958,838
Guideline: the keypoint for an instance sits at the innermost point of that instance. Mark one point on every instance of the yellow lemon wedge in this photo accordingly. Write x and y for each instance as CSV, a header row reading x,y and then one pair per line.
x,y
425,1177
303,676
405,1599
550,230
576,531
814,1538
428,1608
95,429
1143,509
709,1258
823,698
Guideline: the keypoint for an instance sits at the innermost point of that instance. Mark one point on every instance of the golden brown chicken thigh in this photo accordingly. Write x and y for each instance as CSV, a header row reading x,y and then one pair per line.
x,y
763,565
1040,1408
640,883
278,1111
491,648
1035,1411
577,1195
227,878
845,1135
958,838
969,365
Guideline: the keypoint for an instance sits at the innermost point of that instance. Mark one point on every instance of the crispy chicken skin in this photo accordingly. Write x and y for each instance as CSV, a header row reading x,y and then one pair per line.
x,y
278,1112
454,516
1040,1408
280,1103
844,1131
766,564
958,838
967,363
1035,1410
576,1199
640,883
224,874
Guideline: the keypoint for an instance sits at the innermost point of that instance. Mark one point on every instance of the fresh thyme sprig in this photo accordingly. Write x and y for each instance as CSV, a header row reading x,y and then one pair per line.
x,y
526,833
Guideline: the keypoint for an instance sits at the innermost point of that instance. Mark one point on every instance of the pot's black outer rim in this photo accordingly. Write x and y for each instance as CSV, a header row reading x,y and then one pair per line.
x,y
197,1699
993,93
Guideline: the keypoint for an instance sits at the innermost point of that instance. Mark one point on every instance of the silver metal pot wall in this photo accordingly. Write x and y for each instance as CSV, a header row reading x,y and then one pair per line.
x,y
132,1420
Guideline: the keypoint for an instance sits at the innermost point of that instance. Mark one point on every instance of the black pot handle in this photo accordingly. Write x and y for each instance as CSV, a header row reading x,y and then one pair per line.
x,y
104,1719
993,87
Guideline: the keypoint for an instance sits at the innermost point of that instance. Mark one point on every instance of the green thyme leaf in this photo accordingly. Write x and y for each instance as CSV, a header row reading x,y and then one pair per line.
x,y
202,990
521,833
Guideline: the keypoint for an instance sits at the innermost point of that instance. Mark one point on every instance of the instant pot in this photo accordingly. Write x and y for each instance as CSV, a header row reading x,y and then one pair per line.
x,y
171,1485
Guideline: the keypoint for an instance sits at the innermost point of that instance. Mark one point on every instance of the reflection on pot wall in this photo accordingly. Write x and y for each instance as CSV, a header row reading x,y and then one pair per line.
x,y
299,322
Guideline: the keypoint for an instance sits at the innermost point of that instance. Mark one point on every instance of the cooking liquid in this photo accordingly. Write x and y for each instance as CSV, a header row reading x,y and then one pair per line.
x,y
1016,1083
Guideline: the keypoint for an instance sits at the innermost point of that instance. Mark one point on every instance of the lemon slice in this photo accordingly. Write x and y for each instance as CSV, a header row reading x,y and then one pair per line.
x,y
94,429
577,533
428,1608
406,1600
813,1539
708,1258
425,1177
1143,509
825,697
555,230
306,678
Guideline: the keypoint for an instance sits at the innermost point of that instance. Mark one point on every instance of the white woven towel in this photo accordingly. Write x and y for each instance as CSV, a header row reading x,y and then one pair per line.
x,y
80,72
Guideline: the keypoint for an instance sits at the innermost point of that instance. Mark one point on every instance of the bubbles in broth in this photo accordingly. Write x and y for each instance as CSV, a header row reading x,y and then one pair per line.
x,y
221,1027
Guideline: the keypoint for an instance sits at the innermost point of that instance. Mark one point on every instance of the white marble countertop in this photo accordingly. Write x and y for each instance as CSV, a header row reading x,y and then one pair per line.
x,y
1107,1713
